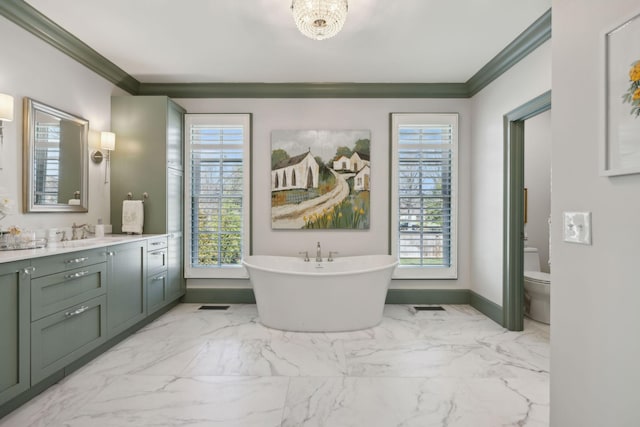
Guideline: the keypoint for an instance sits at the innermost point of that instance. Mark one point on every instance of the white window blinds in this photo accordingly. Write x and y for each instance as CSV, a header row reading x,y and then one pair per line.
x,y
425,151
218,159
47,163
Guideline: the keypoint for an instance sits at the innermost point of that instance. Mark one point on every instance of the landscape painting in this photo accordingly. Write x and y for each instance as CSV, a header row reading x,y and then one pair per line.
x,y
320,179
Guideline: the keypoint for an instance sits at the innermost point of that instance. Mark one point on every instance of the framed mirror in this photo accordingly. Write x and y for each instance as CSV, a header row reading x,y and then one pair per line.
x,y
55,159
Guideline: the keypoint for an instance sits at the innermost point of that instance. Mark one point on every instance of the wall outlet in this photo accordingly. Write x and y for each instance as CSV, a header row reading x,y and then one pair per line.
x,y
576,227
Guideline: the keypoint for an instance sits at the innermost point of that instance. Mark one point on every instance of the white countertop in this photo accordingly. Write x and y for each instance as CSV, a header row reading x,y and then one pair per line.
x,y
73,246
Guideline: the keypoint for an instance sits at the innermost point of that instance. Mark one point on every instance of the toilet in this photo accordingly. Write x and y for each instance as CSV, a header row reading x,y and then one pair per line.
x,y
536,287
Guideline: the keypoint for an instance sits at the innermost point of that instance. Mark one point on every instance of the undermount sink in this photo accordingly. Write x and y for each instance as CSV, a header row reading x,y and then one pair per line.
x,y
79,243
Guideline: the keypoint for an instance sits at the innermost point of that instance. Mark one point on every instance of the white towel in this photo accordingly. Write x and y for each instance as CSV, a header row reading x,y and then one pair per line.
x,y
132,216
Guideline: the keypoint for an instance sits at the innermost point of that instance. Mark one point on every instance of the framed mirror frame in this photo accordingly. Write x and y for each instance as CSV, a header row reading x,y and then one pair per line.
x,y
31,108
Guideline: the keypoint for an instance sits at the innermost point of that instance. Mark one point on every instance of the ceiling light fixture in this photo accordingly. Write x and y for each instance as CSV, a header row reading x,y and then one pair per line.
x,y
319,19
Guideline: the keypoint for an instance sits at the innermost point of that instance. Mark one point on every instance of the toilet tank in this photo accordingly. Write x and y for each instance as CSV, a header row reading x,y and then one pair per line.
x,y
531,259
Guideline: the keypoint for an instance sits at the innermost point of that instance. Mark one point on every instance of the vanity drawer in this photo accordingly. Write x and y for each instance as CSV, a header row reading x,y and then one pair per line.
x,y
157,243
156,291
67,261
56,292
156,261
61,338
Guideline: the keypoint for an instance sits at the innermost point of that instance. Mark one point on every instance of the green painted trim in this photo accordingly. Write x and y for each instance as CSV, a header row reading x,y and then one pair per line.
x,y
513,215
427,296
537,105
306,90
528,41
394,296
220,296
27,17
487,307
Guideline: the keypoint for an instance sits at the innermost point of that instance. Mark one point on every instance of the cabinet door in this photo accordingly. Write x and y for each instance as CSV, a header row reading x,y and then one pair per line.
x,y
14,329
126,286
175,283
175,191
156,291
175,116
63,337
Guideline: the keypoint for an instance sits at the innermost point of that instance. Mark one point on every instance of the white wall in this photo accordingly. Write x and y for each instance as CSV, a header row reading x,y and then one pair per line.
x,y
373,114
34,69
526,80
595,290
537,180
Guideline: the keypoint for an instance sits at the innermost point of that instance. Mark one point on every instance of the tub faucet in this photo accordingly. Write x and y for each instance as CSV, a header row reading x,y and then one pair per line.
x,y
318,253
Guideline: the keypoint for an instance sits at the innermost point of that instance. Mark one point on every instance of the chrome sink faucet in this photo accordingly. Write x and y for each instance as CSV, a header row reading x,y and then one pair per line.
x,y
318,253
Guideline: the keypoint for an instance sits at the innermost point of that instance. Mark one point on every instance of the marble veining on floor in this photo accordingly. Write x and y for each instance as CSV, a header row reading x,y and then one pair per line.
x,y
210,368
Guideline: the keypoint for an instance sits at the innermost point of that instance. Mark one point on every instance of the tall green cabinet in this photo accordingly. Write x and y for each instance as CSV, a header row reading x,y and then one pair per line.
x,y
14,329
149,158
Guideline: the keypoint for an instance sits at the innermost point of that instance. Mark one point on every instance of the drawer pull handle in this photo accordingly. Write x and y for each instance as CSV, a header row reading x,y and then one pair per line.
x,y
81,310
157,253
110,253
157,243
76,260
159,278
76,275
28,270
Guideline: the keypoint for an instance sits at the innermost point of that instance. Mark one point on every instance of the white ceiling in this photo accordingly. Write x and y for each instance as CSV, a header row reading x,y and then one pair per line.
x,y
223,41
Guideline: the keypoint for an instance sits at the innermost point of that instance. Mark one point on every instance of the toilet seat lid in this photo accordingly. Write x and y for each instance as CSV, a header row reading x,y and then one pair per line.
x,y
538,276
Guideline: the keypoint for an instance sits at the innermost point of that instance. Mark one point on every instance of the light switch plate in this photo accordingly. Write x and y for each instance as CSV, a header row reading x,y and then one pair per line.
x,y
577,227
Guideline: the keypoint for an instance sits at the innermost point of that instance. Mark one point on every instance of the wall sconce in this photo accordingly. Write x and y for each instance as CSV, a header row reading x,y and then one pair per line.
x,y
6,115
108,144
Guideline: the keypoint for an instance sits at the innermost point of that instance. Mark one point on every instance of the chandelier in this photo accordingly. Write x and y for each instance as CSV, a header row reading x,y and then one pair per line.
x,y
319,19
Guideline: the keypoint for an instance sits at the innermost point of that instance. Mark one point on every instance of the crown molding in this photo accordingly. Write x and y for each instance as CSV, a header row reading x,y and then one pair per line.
x,y
306,90
27,17
528,41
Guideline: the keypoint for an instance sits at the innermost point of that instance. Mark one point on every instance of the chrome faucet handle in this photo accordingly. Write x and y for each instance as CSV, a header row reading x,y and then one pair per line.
x,y
64,235
85,231
331,253
306,255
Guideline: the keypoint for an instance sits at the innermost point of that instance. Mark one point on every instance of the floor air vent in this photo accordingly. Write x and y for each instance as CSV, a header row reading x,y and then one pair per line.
x,y
214,307
428,308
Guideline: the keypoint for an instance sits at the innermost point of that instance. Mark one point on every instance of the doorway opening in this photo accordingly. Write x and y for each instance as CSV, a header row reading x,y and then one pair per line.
x,y
514,200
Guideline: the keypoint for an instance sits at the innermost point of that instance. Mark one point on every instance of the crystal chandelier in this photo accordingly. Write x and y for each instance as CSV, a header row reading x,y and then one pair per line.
x,y
319,19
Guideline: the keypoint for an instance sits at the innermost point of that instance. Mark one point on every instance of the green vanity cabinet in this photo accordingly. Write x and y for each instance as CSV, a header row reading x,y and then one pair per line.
x,y
14,329
127,289
149,158
175,272
157,278
59,339
68,309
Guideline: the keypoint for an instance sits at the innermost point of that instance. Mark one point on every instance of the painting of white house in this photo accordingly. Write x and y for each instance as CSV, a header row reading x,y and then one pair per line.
x,y
320,179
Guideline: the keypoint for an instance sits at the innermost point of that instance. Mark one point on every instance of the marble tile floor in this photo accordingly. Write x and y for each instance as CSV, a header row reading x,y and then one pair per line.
x,y
214,368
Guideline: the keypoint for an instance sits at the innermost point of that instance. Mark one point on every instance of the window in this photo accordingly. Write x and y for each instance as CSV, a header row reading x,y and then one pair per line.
x,y
218,183
424,194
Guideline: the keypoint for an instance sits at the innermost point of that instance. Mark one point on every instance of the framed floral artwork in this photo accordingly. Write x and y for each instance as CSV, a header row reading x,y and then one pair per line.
x,y
621,151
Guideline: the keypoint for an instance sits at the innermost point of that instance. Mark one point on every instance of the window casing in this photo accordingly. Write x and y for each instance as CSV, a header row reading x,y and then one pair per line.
x,y
217,213
424,187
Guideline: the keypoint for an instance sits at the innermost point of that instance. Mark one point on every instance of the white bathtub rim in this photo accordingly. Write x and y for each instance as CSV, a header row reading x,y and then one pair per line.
x,y
382,267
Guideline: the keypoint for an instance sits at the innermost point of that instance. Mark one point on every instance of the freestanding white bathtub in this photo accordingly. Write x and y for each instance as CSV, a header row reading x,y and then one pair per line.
x,y
343,295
